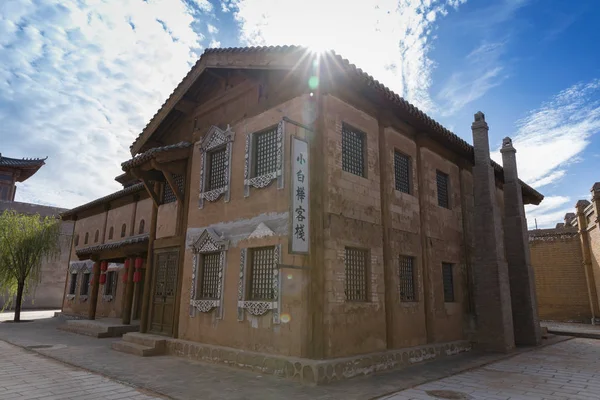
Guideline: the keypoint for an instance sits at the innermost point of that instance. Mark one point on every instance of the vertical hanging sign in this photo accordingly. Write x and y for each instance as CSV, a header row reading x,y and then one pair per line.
x,y
300,197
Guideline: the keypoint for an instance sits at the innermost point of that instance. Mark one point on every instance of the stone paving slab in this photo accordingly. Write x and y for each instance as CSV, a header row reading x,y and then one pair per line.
x,y
26,375
179,378
572,329
567,370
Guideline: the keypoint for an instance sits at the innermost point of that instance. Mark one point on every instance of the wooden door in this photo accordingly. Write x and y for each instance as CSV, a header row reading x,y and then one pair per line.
x,y
164,290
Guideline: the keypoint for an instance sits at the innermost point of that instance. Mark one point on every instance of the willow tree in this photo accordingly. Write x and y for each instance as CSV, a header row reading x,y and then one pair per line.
x,y
25,241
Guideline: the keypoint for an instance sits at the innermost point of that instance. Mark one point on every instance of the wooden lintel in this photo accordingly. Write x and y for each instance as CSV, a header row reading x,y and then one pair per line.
x,y
172,241
186,106
174,167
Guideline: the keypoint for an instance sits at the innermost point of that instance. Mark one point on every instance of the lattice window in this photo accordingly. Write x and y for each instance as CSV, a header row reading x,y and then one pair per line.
x,y
443,181
402,172
448,279
265,147
406,272
210,279
355,263
353,151
110,287
73,283
217,172
261,273
168,195
85,284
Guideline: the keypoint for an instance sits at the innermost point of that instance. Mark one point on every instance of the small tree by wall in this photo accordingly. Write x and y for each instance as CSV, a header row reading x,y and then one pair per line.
x,y
25,240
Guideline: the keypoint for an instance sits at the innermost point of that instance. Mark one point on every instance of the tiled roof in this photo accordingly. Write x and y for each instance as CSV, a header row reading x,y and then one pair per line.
x,y
113,196
111,246
443,135
148,155
552,234
22,162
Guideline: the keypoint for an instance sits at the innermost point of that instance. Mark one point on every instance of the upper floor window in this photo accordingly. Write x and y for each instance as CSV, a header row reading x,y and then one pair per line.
x,y
402,172
217,168
448,280
265,152
87,237
97,236
111,233
355,266
76,240
443,192
142,226
406,272
353,150
123,230
215,173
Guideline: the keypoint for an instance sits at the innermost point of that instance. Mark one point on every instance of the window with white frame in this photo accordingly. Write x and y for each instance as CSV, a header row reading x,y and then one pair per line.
x,y
215,173
264,158
259,285
206,293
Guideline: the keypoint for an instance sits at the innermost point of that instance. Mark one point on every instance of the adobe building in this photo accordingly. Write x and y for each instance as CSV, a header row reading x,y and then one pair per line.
x,y
566,260
48,293
301,219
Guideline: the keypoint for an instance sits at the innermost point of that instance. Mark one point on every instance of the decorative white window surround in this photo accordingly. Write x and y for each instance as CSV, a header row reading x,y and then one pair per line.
x,y
215,137
208,242
71,297
258,308
264,180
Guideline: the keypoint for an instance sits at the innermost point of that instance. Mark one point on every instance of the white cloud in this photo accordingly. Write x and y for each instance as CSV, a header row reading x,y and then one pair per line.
x,y
79,80
388,39
552,137
212,29
550,212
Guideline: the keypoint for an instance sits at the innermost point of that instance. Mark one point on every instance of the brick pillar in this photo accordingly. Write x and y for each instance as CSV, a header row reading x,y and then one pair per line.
x,y
588,267
516,241
490,271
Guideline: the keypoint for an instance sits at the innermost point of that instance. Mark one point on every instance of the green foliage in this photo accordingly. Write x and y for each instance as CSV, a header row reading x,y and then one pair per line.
x,y
25,241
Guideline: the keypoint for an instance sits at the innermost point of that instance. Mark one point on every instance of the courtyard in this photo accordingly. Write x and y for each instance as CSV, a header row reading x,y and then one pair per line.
x,y
40,362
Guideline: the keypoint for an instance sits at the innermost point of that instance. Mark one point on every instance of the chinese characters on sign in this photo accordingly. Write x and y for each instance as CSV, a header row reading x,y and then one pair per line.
x,y
300,196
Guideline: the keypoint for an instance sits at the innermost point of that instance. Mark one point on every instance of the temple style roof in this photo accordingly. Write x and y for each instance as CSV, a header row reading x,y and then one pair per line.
x,y
26,166
138,187
112,246
288,57
152,153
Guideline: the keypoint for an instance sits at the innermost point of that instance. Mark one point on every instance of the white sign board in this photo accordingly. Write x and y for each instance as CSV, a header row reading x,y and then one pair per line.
x,y
300,197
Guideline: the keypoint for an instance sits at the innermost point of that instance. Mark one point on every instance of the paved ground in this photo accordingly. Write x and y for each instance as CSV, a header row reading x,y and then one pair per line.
x,y
574,360
567,370
26,375
573,329
27,315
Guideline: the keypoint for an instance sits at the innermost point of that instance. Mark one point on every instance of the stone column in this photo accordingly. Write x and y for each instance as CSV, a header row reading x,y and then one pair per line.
x,y
588,268
128,301
490,271
516,241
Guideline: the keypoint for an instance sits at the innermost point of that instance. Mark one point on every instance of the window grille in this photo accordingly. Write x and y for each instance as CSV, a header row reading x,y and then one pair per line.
x,y
353,148
402,172
261,273
73,283
142,226
111,233
123,230
448,282
407,278
210,281
87,238
442,189
265,146
96,236
85,284
355,263
217,168
168,195
110,287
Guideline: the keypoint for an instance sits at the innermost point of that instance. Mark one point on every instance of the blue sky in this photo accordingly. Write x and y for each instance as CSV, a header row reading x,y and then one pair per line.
x,y
79,79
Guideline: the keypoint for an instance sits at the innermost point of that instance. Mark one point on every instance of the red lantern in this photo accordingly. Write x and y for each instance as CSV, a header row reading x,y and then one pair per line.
x,y
127,261
103,266
137,276
139,262
102,279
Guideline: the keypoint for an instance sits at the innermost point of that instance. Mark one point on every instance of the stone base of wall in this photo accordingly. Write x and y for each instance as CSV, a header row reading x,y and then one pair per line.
x,y
314,372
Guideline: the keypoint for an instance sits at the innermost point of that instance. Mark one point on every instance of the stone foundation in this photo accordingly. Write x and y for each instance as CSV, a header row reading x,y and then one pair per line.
x,y
314,372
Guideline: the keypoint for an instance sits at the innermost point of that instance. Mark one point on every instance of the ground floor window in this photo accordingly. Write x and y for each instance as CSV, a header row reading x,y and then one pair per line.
x,y
73,283
261,273
407,278
85,284
448,279
355,265
110,287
